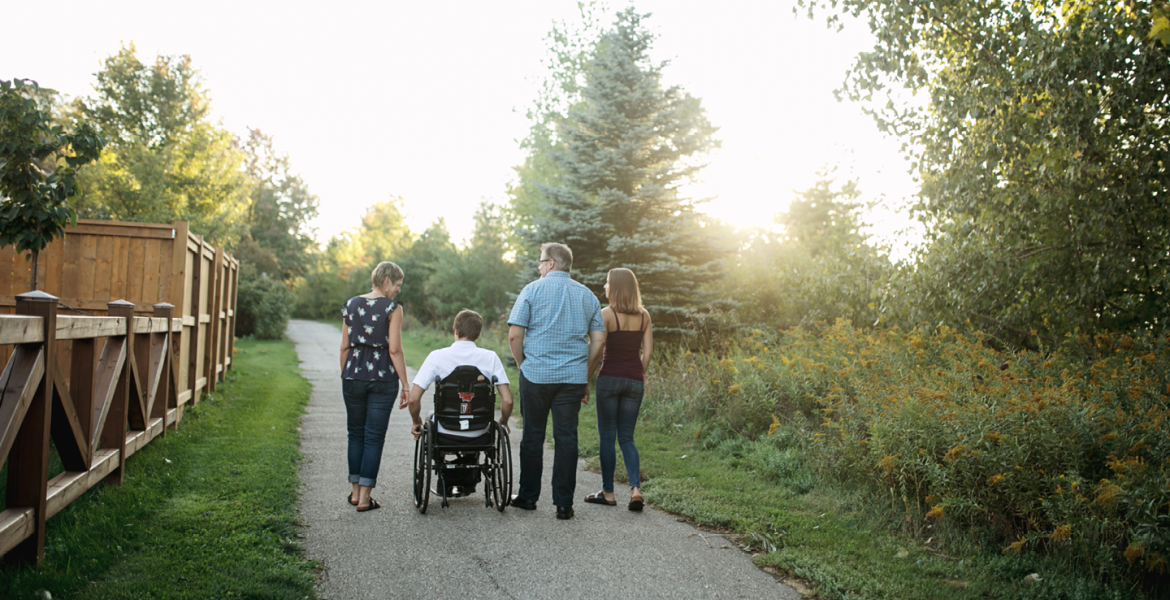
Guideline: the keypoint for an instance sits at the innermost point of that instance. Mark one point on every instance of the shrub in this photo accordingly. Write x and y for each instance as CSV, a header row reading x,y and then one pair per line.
x,y
1063,451
263,306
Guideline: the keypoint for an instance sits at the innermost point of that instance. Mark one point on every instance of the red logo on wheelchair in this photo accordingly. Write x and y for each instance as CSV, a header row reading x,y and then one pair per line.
x,y
466,397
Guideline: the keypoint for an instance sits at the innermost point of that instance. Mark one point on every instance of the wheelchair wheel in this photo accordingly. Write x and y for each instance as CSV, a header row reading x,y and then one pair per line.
x,y
422,469
501,469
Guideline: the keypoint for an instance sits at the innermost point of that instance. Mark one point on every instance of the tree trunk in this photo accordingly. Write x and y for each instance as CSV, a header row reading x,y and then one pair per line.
x,y
32,284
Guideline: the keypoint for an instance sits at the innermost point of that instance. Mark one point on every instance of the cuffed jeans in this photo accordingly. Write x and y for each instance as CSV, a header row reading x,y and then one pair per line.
x,y
618,402
367,410
537,400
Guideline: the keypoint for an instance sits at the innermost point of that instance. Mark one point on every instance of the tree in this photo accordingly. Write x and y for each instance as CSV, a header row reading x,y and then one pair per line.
x,y
166,160
38,170
1043,157
622,154
822,268
279,240
428,255
480,276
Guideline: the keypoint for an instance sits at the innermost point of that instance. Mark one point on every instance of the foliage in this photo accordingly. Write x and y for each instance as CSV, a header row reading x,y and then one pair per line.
x,y
431,254
622,152
1064,452
263,305
38,169
1043,156
570,47
478,277
279,240
343,269
208,511
166,161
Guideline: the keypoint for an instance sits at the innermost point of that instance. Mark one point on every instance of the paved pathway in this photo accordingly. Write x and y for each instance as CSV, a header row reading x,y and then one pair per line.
x,y
470,551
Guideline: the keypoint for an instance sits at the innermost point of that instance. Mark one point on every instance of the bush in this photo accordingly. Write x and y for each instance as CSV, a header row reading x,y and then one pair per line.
x,y
263,306
1064,452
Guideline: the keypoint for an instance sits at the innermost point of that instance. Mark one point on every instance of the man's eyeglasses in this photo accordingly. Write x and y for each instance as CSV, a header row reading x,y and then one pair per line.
x,y
544,260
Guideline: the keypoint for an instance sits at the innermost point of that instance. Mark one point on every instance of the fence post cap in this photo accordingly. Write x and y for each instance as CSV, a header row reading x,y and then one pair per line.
x,y
37,296
120,303
163,305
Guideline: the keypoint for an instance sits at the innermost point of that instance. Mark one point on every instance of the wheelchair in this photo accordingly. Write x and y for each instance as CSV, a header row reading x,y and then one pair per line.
x,y
464,401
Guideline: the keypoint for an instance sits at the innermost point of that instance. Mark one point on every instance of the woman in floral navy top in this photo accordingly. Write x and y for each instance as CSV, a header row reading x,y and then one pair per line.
x,y
372,365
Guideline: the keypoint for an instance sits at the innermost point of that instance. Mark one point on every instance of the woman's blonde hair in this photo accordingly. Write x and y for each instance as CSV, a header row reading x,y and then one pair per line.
x,y
385,270
624,296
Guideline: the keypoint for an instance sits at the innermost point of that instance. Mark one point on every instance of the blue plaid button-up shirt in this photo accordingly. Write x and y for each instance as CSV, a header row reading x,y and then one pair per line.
x,y
558,313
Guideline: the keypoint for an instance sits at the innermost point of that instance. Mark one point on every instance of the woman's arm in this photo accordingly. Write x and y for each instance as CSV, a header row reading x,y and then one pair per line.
x,y
344,345
606,316
647,342
397,358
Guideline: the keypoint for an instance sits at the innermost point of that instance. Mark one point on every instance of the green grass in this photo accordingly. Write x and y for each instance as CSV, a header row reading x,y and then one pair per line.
x,y
209,511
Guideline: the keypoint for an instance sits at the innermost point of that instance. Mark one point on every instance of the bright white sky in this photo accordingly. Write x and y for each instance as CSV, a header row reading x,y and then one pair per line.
x,y
426,99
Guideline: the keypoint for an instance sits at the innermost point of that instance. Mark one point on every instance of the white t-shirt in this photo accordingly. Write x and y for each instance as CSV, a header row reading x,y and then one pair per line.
x,y
443,361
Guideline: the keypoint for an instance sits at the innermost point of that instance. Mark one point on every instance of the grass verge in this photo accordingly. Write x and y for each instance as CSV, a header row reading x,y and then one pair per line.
x,y
209,511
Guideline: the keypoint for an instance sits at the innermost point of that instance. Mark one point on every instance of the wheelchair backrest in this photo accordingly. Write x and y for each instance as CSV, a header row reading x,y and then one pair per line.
x,y
463,402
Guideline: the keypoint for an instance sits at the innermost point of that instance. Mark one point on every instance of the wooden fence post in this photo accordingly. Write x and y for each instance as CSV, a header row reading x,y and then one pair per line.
x,y
28,461
114,432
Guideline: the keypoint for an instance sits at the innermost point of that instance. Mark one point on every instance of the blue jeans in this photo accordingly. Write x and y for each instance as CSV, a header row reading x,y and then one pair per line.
x,y
618,402
537,400
367,410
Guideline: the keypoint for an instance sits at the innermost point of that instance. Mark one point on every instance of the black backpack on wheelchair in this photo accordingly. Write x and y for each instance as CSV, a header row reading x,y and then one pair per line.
x,y
463,401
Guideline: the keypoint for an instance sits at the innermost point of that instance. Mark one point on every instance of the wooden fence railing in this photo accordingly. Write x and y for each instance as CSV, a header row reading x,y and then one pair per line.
x,y
98,409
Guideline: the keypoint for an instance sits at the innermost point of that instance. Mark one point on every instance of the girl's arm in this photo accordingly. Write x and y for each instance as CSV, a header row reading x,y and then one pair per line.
x,y
344,345
647,342
397,358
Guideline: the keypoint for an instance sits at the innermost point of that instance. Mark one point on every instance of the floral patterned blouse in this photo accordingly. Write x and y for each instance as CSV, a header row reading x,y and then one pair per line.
x,y
368,320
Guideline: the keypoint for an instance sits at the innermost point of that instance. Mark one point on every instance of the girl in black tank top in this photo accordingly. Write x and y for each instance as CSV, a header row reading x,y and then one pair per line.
x,y
621,384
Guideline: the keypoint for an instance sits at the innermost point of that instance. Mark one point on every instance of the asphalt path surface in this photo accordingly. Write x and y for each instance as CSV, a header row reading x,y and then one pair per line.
x,y
471,551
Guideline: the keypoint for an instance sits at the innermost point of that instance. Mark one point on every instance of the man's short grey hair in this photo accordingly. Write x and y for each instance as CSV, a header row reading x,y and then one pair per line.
x,y
559,253
385,270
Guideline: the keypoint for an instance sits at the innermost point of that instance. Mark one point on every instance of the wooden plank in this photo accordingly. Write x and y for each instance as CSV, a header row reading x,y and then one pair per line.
x,y
183,396
119,288
150,324
135,274
69,268
136,410
20,329
72,328
116,229
135,440
50,267
166,271
81,387
16,525
18,384
8,269
176,325
87,269
106,380
70,485
159,346
150,275
200,383
103,268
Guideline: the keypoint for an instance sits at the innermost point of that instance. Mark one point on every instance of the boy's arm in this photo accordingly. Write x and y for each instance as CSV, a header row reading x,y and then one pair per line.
x,y
505,405
415,407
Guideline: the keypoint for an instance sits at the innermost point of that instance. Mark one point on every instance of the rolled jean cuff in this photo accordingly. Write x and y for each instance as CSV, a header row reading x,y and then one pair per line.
x,y
354,478
366,481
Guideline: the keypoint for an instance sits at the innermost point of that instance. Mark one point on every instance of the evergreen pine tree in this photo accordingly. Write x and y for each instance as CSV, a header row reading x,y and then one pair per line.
x,y
623,152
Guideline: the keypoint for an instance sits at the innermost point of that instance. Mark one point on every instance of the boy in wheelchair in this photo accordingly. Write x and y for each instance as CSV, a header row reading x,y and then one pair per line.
x,y
438,366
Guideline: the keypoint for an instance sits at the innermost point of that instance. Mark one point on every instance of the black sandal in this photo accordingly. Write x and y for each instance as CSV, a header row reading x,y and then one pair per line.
x,y
373,505
350,499
635,503
599,498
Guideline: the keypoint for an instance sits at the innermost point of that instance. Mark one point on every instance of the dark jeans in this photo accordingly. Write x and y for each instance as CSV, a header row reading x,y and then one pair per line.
x,y
618,402
536,401
367,410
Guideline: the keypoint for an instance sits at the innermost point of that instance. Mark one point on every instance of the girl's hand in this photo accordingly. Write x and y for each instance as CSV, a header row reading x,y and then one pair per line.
x,y
403,398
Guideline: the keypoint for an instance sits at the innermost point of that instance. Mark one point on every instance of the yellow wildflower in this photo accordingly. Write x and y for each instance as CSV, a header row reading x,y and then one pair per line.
x,y
734,389
1061,533
1134,552
1015,546
936,512
774,426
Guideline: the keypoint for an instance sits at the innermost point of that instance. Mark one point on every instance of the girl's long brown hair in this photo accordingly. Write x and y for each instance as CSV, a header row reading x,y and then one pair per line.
x,y
624,295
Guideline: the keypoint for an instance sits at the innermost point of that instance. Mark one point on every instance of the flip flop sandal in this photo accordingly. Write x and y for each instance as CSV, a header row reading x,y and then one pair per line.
x,y
373,505
350,499
599,498
635,503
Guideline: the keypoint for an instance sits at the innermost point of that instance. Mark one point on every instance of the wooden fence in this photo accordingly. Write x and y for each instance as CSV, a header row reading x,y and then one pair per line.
x,y
98,409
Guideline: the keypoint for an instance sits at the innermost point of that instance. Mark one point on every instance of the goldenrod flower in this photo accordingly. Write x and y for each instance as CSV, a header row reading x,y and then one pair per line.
x,y
936,512
1061,533
1134,552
